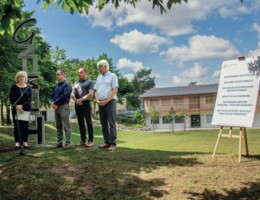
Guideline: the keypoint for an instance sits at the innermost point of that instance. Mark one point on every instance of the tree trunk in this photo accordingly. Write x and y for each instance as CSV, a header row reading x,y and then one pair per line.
x,y
2,113
172,126
8,115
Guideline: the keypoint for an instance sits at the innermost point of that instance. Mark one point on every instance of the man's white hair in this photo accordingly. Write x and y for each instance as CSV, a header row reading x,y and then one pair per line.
x,y
104,63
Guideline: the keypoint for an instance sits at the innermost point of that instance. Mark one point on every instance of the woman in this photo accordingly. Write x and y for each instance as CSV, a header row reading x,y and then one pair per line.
x,y
20,98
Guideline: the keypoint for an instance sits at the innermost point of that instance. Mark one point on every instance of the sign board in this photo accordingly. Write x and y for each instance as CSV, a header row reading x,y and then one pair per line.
x,y
237,94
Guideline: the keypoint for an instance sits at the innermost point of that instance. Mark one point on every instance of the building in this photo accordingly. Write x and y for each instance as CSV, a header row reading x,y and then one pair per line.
x,y
198,101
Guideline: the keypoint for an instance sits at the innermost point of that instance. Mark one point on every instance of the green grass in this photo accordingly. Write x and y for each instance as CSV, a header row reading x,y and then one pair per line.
x,y
145,165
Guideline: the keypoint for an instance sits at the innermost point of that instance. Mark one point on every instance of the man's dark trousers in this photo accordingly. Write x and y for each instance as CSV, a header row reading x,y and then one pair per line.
x,y
107,116
84,113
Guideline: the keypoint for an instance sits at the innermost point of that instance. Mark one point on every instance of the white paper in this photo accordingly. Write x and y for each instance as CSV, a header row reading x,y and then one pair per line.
x,y
24,116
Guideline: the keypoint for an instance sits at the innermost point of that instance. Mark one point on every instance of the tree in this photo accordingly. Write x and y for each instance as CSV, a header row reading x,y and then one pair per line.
x,y
58,55
9,65
254,67
141,82
82,6
183,114
155,117
192,83
171,117
139,116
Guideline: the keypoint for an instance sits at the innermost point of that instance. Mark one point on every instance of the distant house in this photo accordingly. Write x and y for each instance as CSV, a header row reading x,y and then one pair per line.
x,y
197,100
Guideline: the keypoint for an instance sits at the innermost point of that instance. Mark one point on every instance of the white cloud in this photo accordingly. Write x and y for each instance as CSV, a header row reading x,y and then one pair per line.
x,y
105,17
137,42
201,47
129,76
232,11
135,66
255,52
256,27
126,63
155,75
177,21
216,74
196,73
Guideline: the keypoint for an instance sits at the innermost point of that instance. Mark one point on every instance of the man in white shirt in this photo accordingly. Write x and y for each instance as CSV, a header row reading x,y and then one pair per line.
x,y
106,88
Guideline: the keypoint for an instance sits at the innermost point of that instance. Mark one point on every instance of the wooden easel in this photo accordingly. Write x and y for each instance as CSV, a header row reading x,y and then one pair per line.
x,y
242,135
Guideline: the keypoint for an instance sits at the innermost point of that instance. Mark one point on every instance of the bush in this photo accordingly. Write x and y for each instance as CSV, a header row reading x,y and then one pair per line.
x,y
126,120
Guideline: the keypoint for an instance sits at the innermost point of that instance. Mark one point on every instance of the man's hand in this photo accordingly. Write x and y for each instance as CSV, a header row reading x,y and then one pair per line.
x,y
54,106
79,102
102,103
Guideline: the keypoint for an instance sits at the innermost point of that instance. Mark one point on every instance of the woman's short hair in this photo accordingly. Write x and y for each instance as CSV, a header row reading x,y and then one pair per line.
x,y
21,73
104,63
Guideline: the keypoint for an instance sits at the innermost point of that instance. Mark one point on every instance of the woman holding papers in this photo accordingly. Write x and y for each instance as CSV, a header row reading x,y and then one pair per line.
x,y
20,98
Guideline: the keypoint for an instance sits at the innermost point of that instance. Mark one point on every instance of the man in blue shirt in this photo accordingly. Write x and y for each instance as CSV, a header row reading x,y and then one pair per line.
x,y
60,99
106,89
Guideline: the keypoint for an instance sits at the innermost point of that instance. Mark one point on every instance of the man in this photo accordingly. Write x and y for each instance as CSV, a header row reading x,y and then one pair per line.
x,y
60,99
106,89
82,93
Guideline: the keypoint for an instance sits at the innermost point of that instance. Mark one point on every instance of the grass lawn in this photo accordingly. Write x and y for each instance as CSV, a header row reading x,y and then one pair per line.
x,y
145,165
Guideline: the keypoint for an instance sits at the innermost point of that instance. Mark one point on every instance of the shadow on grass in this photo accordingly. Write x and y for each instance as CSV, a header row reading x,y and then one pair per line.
x,y
251,190
79,173
257,157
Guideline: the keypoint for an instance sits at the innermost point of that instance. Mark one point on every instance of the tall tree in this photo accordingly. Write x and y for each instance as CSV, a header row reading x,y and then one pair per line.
x,y
155,117
9,65
141,82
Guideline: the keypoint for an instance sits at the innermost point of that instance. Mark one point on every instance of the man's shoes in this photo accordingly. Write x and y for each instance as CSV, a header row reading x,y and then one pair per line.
x,y
81,144
67,146
59,145
26,147
90,144
103,146
112,148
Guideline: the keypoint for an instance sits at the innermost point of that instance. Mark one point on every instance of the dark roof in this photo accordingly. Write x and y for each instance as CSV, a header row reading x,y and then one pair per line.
x,y
182,90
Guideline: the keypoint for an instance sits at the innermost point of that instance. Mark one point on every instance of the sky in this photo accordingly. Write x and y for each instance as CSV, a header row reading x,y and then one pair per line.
x,y
188,43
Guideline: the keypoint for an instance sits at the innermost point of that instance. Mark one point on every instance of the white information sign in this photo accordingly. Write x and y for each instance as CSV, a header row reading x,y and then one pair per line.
x,y
237,94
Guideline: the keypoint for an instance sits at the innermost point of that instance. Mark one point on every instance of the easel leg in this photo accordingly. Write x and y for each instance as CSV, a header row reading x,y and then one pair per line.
x,y
245,137
240,144
219,136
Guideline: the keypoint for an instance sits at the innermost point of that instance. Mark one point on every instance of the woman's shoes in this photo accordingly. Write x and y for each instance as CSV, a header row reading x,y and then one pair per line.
x,y
25,145
17,147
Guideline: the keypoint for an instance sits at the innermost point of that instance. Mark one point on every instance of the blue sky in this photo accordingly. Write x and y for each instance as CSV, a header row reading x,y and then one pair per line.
x,y
186,44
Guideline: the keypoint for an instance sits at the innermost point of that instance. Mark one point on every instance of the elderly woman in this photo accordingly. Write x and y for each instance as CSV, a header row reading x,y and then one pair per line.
x,y
20,98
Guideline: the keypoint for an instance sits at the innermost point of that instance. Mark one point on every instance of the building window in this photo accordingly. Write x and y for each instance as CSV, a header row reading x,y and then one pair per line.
x,y
194,102
209,118
166,101
179,120
178,102
156,121
166,120
210,99
154,103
